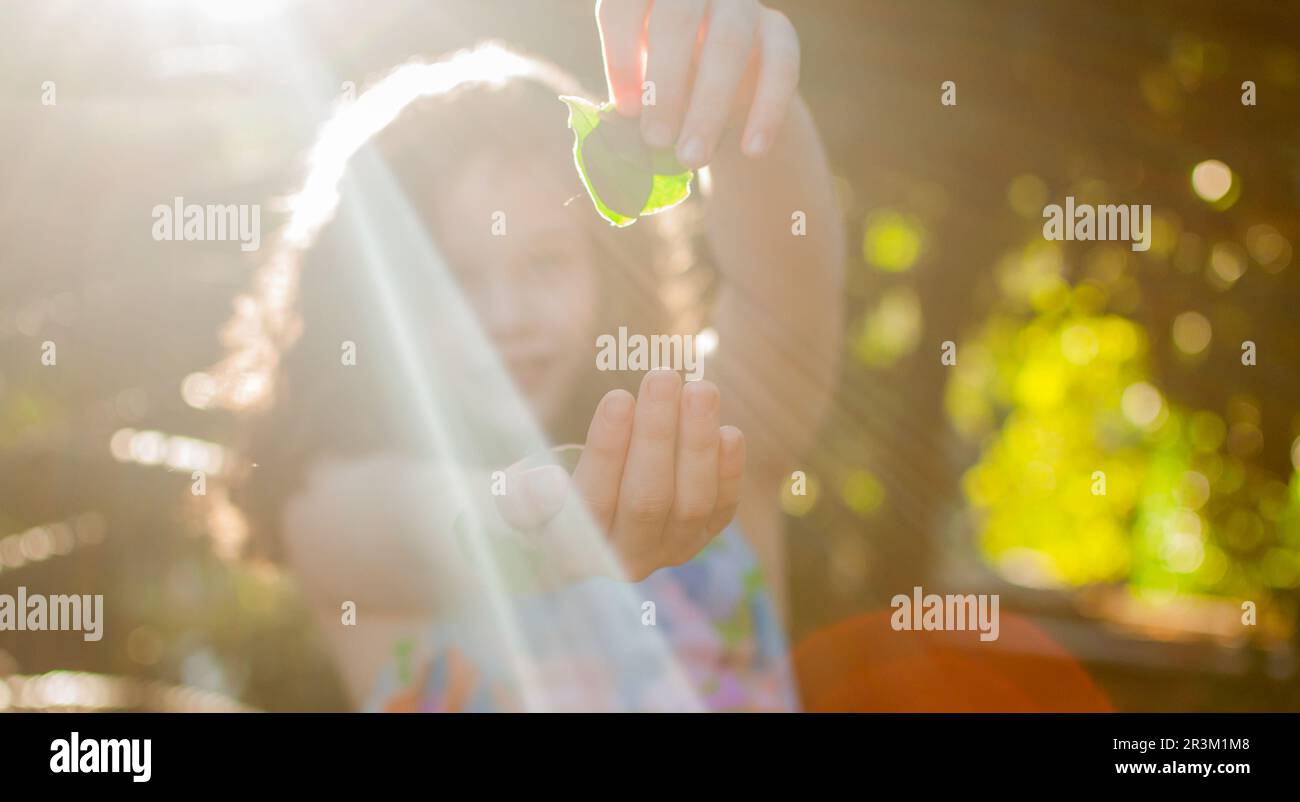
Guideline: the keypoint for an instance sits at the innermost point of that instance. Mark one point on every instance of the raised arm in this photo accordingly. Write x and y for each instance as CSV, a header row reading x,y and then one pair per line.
x,y
778,239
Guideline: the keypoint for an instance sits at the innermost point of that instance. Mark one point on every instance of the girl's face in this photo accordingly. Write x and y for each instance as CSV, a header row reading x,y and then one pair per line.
x,y
527,268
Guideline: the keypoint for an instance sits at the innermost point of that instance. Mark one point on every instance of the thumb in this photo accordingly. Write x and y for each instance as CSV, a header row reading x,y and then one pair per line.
x,y
533,497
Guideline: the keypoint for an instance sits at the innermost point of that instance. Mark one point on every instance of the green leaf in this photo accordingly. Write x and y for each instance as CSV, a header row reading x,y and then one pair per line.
x,y
624,177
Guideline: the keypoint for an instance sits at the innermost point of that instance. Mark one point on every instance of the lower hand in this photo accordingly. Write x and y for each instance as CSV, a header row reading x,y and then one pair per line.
x,y
658,476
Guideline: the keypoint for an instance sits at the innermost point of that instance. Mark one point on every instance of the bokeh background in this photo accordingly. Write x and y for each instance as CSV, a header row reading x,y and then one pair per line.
x,y
1072,357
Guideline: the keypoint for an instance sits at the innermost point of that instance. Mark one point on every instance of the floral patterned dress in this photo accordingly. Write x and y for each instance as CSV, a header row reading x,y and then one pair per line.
x,y
701,636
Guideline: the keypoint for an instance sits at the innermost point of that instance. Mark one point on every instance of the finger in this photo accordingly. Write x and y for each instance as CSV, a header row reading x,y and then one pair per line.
x,y
778,80
671,36
731,476
533,496
600,468
696,488
622,28
723,58
646,492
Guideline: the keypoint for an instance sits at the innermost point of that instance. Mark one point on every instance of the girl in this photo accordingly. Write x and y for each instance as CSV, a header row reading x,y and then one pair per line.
x,y
424,329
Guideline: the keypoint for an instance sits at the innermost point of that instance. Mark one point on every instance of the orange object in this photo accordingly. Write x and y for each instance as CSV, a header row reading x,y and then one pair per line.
x,y
863,665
